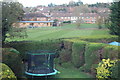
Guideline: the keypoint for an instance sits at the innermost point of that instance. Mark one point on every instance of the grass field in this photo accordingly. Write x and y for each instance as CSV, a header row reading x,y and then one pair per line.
x,y
66,31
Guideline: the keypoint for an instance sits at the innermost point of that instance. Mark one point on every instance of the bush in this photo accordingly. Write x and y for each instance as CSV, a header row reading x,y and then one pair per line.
x,y
7,73
78,49
11,58
66,21
107,69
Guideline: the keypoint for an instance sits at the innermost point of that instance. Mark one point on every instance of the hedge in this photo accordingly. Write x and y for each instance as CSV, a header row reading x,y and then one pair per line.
x,y
111,51
11,58
78,49
7,73
25,46
83,54
99,39
92,55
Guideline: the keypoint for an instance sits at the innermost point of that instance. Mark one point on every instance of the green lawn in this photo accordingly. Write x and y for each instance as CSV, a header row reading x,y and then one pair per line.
x,y
70,72
82,26
66,31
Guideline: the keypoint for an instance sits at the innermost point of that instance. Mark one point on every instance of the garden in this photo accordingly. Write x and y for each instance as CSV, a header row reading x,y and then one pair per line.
x,y
80,53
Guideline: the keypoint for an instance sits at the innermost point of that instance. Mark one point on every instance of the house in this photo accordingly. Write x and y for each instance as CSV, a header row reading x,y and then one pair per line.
x,y
35,20
89,17
84,17
63,13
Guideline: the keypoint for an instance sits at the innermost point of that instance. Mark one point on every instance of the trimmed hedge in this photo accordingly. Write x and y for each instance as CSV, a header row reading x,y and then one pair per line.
x,y
92,55
78,49
7,73
25,46
111,52
11,58
84,55
99,39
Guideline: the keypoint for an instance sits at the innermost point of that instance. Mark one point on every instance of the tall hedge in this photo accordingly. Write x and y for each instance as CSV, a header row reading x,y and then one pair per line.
x,y
25,46
92,54
78,49
111,51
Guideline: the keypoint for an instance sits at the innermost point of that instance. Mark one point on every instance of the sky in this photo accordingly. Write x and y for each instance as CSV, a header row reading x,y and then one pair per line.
x,y
32,3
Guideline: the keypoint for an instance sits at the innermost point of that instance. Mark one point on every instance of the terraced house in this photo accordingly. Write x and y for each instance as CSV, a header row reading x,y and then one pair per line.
x,y
84,17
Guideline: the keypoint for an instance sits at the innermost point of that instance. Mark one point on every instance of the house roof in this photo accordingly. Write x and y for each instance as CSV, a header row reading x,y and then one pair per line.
x,y
89,15
62,14
73,15
33,15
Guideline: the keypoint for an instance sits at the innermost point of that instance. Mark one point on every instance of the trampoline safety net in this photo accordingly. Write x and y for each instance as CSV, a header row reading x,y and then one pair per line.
x,y
40,62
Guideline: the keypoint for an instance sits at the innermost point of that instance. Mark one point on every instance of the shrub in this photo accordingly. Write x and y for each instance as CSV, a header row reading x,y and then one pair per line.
x,y
66,21
107,69
13,60
7,73
78,49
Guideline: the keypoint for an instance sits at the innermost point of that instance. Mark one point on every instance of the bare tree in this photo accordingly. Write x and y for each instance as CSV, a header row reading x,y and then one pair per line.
x,y
78,23
77,11
99,22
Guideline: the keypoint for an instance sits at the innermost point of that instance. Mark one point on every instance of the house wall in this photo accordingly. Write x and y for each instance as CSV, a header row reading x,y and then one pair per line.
x,y
36,24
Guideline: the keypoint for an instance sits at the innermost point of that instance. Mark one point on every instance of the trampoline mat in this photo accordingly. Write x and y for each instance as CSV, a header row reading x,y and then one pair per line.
x,y
39,70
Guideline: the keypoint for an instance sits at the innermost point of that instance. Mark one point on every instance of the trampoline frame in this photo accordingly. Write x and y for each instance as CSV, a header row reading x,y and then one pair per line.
x,y
48,74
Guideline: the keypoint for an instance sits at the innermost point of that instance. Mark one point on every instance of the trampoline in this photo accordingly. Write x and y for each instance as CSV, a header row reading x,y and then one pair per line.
x,y
40,63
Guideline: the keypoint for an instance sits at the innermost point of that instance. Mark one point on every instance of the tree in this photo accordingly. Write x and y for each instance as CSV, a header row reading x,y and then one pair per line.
x,y
114,23
99,22
77,11
72,3
11,13
78,23
51,5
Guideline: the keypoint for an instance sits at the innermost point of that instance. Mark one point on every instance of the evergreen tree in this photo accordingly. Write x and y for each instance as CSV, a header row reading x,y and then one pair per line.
x,y
114,24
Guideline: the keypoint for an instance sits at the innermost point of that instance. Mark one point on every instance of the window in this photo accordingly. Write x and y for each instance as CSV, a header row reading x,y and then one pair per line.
x,y
31,24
